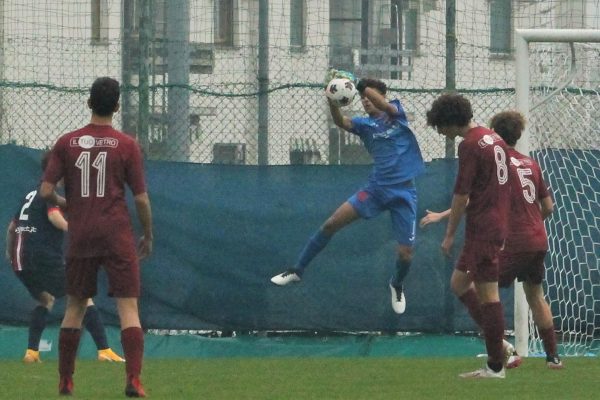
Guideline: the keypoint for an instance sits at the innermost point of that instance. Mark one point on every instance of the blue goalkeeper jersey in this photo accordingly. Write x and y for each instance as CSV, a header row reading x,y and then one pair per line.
x,y
393,146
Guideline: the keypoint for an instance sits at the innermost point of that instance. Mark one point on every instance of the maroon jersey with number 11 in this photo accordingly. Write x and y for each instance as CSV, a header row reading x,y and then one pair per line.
x,y
97,162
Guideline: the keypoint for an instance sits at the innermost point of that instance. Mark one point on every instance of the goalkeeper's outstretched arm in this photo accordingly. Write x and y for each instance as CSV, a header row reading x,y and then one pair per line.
x,y
374,90
338,118
379,101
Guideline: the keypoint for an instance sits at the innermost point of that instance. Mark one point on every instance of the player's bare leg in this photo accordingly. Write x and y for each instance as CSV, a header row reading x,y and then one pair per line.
x,y
343,216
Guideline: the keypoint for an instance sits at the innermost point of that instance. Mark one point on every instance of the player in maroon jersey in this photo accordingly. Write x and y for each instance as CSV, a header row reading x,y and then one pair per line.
x,y
482,182
527,242
526,245
96,163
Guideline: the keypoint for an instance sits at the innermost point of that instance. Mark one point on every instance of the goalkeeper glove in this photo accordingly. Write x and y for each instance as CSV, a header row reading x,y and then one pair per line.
x,y
361,85
338,73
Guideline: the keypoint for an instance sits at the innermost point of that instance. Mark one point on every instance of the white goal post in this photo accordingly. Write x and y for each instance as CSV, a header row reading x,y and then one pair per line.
x,y
588,111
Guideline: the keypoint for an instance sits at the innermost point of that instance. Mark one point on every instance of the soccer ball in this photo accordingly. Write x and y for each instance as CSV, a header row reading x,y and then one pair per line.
x,y
341,91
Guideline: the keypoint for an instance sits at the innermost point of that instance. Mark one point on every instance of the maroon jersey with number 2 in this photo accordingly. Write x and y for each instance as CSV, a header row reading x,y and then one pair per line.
x,y
483,174
97,162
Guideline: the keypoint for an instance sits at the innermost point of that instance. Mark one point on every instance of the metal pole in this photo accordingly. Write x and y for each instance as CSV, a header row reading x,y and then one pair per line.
x,y
263,82
450,61
559,35
143,87
178,69
522,87
127,65
2,72
449,144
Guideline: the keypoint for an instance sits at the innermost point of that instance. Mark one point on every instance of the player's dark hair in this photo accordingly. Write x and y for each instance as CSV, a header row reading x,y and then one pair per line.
x,y
45,159
509,125
104,96
450,110
376,84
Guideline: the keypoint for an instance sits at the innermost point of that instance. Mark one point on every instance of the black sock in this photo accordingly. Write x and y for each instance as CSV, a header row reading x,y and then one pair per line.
x,y
95,327
496,367
37,326
402,268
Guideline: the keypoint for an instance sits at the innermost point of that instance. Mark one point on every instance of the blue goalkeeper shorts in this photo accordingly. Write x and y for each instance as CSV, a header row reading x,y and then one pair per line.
x,y
399,199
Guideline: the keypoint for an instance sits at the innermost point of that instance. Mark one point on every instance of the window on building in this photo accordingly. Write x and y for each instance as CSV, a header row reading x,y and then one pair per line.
x,y
133,15
158,18
411,33
348,31
99,22
297,23
224,22
404,23
500,26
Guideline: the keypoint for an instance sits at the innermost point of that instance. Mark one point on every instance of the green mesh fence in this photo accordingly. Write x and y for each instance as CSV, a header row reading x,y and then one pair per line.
x,y
240,81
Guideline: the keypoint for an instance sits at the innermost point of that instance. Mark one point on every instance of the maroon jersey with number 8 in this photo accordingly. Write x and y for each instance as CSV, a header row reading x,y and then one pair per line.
x,y
483,174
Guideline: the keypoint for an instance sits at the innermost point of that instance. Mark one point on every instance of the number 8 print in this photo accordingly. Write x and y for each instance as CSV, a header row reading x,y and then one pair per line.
x,y
501,167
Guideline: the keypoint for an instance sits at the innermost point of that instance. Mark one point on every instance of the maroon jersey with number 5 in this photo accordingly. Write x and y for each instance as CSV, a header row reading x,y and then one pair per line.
x,y
526,225
97,162
483,174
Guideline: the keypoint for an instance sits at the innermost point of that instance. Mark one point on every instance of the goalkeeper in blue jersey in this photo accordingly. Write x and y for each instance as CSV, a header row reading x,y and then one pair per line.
x,y
397,161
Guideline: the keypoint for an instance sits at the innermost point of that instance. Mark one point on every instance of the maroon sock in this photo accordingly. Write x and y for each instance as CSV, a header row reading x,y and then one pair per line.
x,y
68,343
471,302
132,340
549,340
492,323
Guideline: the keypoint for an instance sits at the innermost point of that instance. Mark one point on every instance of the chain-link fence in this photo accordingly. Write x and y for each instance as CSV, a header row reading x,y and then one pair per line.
x,y
241,81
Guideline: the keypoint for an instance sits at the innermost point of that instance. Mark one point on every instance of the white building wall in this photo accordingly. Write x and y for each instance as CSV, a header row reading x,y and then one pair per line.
x,y
297,66
48,44
231,119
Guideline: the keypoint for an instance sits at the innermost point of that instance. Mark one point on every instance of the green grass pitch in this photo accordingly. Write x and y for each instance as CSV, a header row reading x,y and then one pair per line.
x,y
308,378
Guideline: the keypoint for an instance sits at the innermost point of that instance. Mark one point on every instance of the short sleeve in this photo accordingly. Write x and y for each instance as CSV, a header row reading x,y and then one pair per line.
x,y
358,125
467,165
55,169
135,170
50,208
400,113
542,189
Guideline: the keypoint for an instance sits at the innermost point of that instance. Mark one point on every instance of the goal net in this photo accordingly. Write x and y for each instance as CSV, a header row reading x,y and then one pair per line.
x,y
558,88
